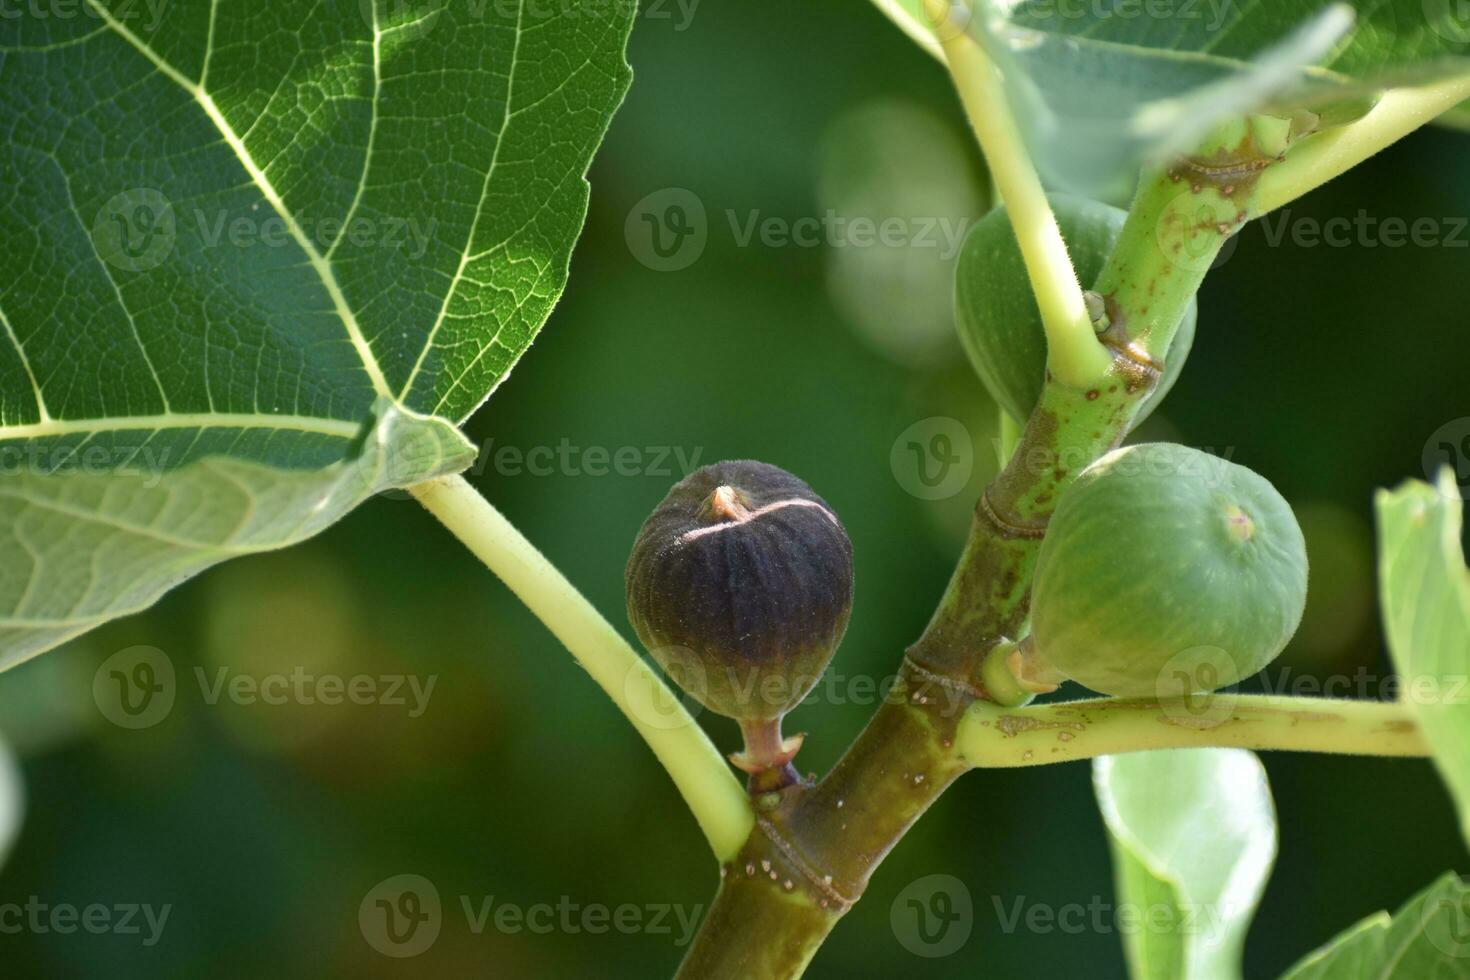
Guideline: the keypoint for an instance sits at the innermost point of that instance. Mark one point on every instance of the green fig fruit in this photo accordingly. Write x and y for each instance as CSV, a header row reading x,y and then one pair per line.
x,y
1166,571
997,317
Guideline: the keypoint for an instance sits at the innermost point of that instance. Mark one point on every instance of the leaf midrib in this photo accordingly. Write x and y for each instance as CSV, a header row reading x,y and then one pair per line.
x,y
263,184
182,420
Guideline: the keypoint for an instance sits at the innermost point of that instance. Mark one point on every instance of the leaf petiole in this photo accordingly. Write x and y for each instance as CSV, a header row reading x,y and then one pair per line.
x,y
713,794
1074,355
1322,156
991,736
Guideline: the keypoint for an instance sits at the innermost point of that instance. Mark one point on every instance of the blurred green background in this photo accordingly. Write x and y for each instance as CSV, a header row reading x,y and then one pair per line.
x,y
263,827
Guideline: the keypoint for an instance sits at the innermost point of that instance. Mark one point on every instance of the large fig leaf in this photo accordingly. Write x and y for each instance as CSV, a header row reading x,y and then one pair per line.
x,y
1428,938
260,258
1103,86
1425,592
1354,954
1193,835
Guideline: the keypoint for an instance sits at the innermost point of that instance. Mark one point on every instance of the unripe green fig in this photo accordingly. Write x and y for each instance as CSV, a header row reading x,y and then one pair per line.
x,y
740,585
1166,571
997,317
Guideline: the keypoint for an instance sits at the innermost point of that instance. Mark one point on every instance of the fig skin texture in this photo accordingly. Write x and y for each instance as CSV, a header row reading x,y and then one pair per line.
x,y
996,315
740,586
1166,571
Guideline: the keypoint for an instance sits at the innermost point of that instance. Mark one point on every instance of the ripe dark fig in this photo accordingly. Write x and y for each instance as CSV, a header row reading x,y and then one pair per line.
x,y
997,317
740,586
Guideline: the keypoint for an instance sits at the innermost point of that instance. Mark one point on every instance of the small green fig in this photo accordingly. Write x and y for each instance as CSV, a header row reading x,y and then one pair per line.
x,y
997,317
1166,571
740,585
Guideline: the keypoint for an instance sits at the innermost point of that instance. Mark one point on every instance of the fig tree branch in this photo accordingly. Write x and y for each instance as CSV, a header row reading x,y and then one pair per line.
x,y
716,798
994,737
816,845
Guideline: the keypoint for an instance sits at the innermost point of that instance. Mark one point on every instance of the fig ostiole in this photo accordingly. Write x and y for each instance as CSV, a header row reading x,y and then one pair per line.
x,y
740,586
997,318
1164,572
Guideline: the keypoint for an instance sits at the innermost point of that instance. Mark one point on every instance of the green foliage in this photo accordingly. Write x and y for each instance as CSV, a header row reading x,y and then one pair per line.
x,y
1424,939
1167,571
94,546
1100,90
1192,893
1355,953
265,259
1425,592
995,309
300,241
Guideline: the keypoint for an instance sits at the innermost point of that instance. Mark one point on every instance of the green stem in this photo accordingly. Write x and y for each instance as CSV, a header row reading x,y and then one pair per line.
x,y
816,845
711,790
1323,156
993,737
1074,356
827,838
